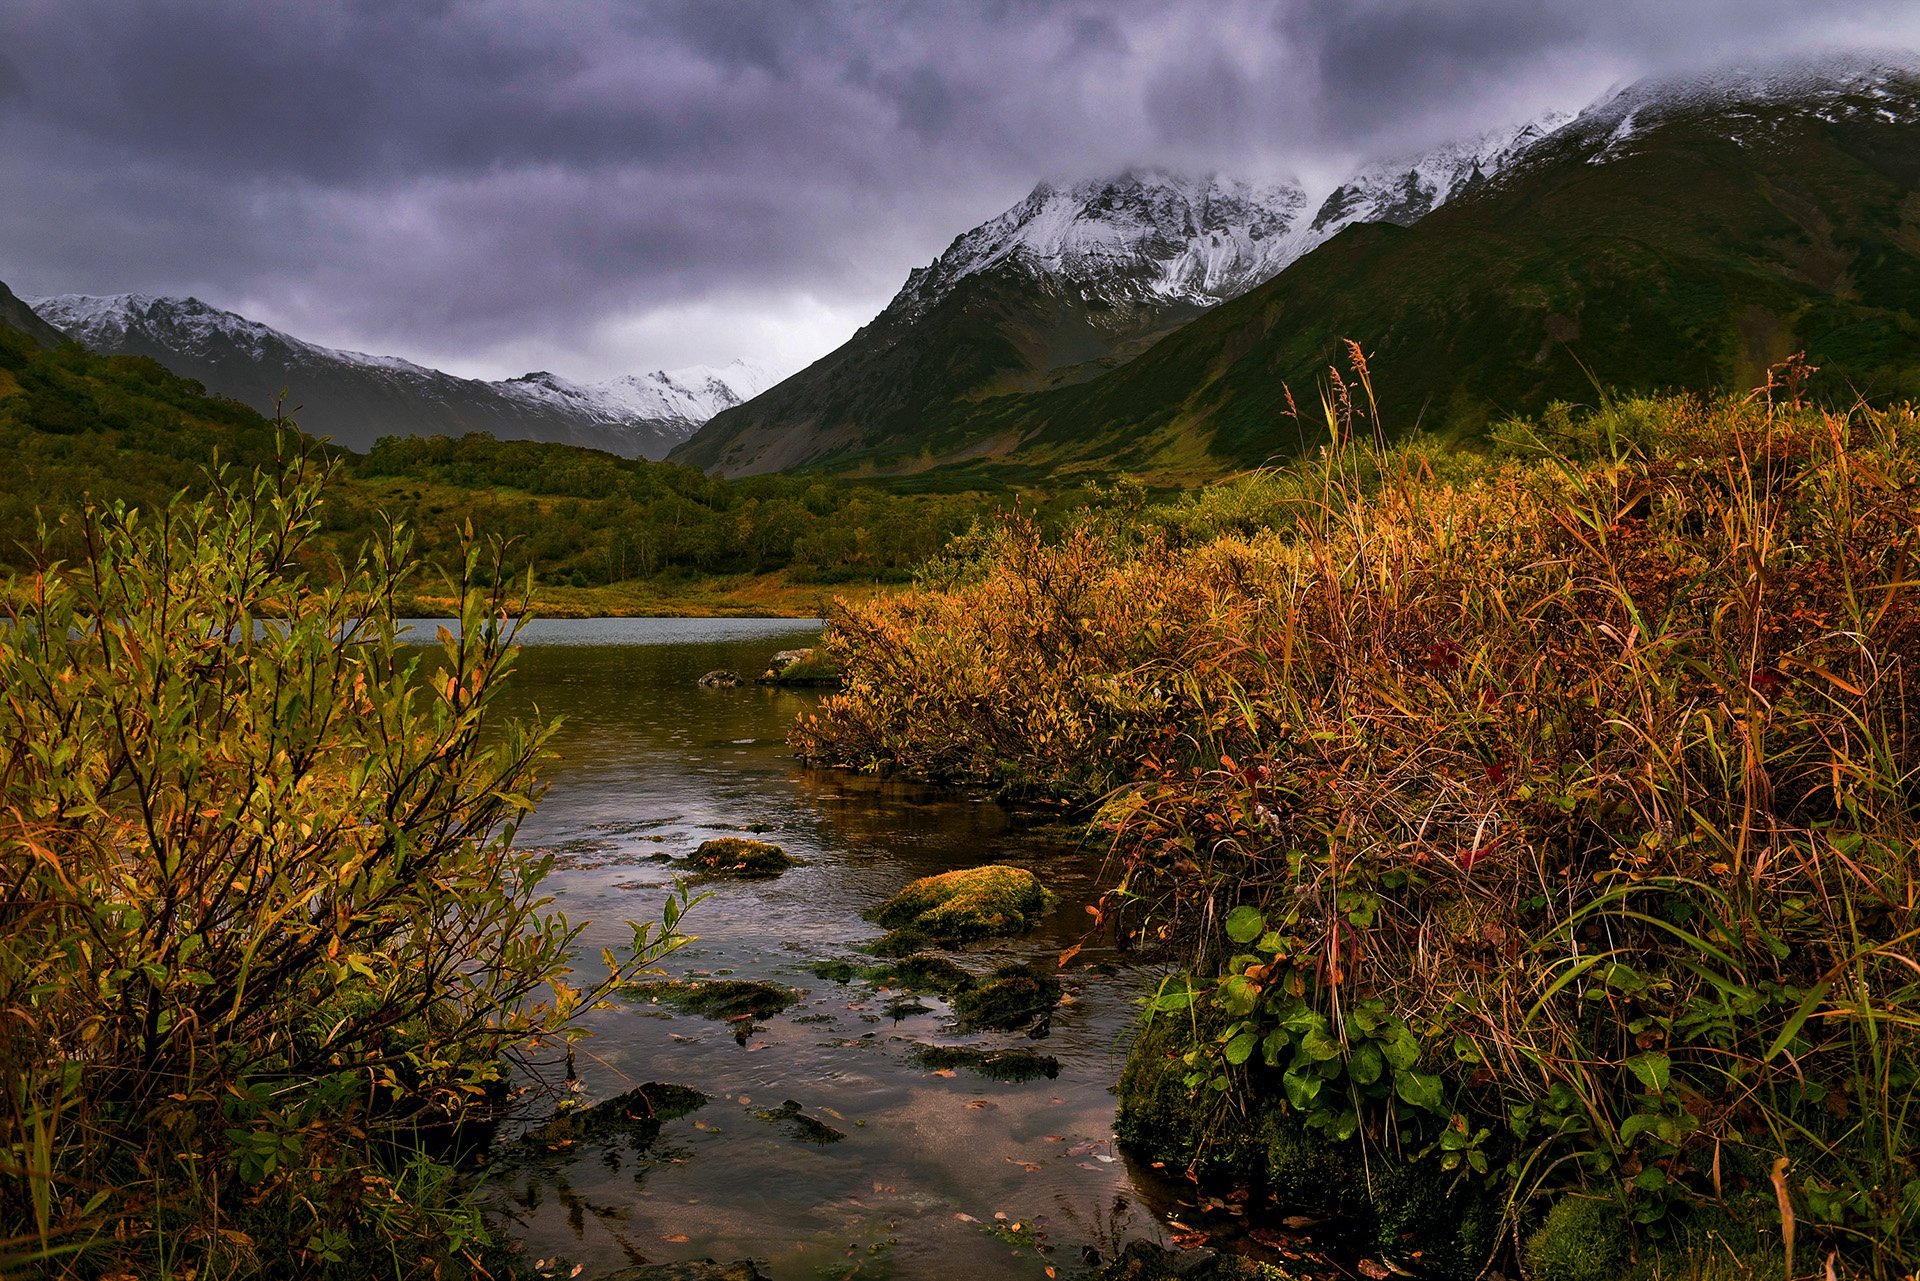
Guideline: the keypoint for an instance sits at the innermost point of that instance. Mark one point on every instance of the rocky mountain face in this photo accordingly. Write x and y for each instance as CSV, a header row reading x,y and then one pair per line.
x,y
357,398
1067,284
15,314
1070,283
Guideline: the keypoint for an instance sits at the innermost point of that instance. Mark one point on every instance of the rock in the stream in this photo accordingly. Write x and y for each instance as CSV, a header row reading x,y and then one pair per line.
x,y
959,907
1012,997
696,1270
801,667
740,857
721,678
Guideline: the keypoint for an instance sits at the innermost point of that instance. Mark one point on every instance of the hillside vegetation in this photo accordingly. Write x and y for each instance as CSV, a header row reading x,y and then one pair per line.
x,y
1535,825
602,534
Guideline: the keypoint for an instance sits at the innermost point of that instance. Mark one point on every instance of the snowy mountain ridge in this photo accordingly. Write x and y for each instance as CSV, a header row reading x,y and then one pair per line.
x,y
633,414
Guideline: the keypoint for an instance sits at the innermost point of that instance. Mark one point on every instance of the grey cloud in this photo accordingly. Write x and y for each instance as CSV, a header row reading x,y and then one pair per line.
x,y
524,178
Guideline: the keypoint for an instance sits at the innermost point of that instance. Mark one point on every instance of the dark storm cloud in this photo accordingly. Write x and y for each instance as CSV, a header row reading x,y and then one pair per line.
x,y
595,185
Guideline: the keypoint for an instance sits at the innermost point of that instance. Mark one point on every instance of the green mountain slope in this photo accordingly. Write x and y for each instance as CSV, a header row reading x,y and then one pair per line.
x,y
1693,255
1683,234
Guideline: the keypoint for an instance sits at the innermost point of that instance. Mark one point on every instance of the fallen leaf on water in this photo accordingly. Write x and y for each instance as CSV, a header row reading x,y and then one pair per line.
x,y
1087,1165
1102,1156
578,1268
1299,1221
835,1115
974,1105
1373,1271
675,1237
1191,1240
1001,1215
1081,1149
759,1045
745,1099
1056,1138
965,1218
945,1072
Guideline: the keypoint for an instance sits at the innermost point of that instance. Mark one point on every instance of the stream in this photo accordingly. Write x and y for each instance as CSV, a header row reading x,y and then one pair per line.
x,y
939,1173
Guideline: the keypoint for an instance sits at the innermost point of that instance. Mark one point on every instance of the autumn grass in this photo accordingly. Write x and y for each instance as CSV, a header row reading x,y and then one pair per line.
x,y
1545,813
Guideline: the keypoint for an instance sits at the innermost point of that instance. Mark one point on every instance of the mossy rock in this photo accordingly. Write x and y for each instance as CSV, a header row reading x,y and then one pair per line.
x,y
1161,1119
739,857
1012,996
716,998
996,1065
1382,1203
924,973
973,903
1581,1239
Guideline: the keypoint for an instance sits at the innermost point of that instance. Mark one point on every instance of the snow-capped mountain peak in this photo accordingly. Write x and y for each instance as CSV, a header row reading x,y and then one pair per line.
x,y
1160,235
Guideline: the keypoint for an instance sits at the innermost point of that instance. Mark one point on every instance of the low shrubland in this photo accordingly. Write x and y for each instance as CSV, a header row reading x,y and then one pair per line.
x,y
266,950
1539,817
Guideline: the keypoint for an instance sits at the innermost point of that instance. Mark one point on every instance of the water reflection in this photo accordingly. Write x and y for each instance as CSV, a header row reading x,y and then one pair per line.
x,y
649,764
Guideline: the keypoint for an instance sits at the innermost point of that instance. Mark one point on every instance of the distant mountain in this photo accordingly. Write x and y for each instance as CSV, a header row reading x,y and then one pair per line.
x,y
1060,288
357,398
1685,232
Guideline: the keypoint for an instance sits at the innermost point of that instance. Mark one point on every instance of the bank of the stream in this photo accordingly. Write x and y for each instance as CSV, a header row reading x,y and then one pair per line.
x,y
1536,824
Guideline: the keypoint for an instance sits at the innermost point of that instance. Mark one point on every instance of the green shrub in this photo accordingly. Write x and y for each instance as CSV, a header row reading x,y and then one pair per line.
x,y
264,924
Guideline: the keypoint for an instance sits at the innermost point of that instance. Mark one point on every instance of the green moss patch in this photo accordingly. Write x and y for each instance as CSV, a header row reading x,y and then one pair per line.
x,y
1013,996
995,1065
716,998
739,857
959,907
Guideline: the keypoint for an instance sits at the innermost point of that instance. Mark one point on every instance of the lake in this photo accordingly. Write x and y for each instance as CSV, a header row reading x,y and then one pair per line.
x,y
649,764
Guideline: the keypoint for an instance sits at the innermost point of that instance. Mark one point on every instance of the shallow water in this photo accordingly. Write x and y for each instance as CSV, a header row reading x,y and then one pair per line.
x,y
650,764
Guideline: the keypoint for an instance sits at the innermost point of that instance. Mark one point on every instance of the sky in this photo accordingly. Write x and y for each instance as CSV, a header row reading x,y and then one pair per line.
x,y
597,187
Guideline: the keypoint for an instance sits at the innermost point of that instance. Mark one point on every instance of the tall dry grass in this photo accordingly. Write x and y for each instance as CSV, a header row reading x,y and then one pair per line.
x,y
1592,760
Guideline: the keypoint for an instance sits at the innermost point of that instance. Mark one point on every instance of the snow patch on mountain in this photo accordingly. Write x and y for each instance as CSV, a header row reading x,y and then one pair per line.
x,y
1750,96
1407,188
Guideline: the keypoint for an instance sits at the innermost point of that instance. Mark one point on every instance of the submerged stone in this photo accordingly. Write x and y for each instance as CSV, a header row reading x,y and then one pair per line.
x,y
801,1126
721,678
738,856
995,1065
716,998
635,1117
1013,996
693,1270
959,907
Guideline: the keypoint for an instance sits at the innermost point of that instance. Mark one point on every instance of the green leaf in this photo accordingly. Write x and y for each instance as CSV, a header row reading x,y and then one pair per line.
x,y
1402,1049
1367,1064
1245,924
1420,1090
1320,1045
1240,1048
1652,1069
1302,1089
